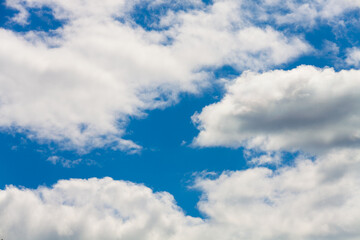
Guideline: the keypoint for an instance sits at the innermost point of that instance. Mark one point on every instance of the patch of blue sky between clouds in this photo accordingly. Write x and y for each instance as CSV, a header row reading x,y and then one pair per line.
x,y
39,19
163,157
331,41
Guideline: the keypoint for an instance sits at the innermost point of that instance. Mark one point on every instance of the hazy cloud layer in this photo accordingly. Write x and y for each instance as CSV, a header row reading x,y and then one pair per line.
x,y
79,84
306,108
312,200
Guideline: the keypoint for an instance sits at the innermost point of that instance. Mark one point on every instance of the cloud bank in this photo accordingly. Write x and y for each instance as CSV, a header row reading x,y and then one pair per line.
x,y
304,109
311,200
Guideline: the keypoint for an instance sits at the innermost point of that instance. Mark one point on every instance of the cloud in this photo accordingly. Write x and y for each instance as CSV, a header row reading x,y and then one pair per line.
x,y
306,13
67,163
72,9
78,85
304,109
353,57
90,209
311,200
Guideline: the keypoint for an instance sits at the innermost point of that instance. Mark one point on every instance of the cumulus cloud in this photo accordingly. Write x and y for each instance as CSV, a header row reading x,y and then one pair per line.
x,y
311,200
304,109
90,209
79,84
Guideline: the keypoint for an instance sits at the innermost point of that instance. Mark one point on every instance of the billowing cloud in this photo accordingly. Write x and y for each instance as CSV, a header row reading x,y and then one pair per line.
x,y
79,84
90,209
311,200
303,109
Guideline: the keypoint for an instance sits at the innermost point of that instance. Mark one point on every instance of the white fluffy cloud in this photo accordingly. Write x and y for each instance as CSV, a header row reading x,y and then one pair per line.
x,y
306,108
311,200
78,85
90,209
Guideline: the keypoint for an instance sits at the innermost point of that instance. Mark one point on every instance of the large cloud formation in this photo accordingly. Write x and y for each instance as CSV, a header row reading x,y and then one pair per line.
x,y
303,109
312,200
79,84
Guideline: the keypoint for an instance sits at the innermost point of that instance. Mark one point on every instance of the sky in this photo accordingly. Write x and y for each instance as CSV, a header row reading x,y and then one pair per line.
x,y
139,119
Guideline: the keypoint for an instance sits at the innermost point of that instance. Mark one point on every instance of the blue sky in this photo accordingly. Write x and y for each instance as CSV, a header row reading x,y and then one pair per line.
x,y
163,165
246,112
